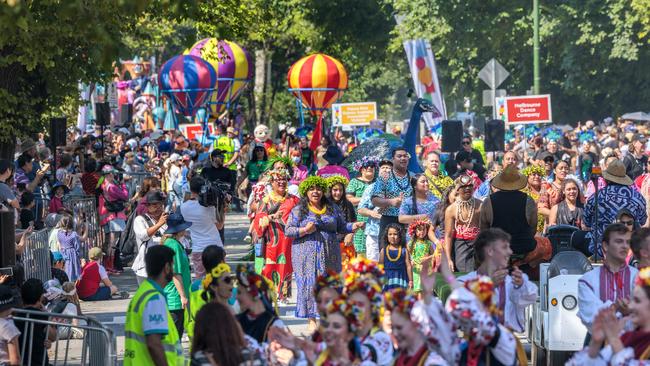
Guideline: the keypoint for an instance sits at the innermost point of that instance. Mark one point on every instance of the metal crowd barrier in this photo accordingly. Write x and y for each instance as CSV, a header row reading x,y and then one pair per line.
x,y
36,256
84,213
135,182
84,340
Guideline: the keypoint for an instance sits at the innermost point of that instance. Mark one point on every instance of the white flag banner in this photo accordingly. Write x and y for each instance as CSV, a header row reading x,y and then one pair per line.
x,y
425,79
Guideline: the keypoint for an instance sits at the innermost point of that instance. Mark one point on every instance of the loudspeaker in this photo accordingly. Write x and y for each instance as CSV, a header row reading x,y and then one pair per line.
x,y
495,134
7,238
58,131
452,135
103,114
126,114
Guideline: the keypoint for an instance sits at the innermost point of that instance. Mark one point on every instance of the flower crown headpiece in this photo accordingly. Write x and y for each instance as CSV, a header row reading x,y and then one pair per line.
x,y
534,169
312,181
337,179
367,284
216,272
350,311
285,159
278,174
329,279
417,223
364,162
400,300
643,277
483,288
256,285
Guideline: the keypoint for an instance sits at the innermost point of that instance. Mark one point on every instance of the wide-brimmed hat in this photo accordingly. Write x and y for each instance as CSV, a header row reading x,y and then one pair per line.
x,y
615,172
510,179
7,298
27,144
176,223
333,155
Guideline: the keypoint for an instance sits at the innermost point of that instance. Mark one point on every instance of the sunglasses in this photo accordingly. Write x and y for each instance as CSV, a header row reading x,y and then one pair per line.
x,y
228,280
466,142
627,223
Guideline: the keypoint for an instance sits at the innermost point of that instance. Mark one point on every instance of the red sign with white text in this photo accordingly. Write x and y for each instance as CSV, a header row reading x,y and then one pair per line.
x,y
528,109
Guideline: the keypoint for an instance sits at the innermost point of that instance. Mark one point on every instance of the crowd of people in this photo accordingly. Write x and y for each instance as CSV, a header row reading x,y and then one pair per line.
x,y
361,247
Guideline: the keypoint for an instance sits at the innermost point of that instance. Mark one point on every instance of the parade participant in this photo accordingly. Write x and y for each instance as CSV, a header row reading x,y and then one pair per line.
x,y
419,246
553,189
313,225
461,226
220,341
177,290
367,209
610,344
513,292
339,327
217,286
337,185
366,168
255,296
512,211
255,167
325,142
472,155
395,258
569,211
438,182
610,284
618,194
601,181
148,229
388,193
510,158
421,205
269,225
151,338
328,287
333,156
300,171
112,199
640,246
537,191
636,160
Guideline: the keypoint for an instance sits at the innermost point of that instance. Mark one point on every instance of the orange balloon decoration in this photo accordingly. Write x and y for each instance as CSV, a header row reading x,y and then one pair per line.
x,y
318,81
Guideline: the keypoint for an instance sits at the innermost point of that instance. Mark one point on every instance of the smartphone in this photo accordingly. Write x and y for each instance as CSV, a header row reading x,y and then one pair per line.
x,y
7,271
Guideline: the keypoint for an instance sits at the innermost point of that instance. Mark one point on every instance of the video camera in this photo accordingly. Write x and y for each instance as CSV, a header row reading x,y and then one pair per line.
x,y
214,194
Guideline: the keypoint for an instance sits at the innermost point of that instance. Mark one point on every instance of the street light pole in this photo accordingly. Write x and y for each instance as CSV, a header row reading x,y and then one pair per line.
x,y
536,77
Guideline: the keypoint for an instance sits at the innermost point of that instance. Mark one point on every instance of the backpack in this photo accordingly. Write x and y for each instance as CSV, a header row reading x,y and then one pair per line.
x,y
127,244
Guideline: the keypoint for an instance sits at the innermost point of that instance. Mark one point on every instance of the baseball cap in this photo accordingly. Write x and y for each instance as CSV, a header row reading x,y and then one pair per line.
x,y
95,253
155,197
174,157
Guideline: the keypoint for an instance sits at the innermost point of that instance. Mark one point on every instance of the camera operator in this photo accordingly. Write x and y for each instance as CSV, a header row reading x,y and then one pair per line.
x,y
217,172
205,224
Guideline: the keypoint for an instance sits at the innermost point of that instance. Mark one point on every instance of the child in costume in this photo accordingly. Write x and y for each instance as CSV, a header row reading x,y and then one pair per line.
x,y
419,247
395,259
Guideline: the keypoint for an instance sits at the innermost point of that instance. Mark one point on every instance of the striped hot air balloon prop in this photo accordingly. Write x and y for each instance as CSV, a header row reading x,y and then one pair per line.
x,y
234,69
188,81
317,81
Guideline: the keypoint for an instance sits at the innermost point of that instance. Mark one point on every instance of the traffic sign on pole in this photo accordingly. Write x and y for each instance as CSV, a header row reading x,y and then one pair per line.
x,y
493,74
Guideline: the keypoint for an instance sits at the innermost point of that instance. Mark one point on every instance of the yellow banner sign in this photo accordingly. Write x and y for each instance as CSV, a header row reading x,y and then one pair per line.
x,y
353,114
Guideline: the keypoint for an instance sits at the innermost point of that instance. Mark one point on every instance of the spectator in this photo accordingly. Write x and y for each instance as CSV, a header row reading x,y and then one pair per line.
x,y
300,171
174,193
90,177
177,291
58,267
37,338
25,166
52,222
9,333
148,184
151,339
205,226
7,197
230,145
94,284
112,200
640,245
63,299
636,160
27,210
65,165
552,150
148,229
569,211
306,155
618,194
56,200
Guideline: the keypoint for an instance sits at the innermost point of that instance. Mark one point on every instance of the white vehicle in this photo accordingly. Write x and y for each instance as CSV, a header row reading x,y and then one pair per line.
x,y
554,329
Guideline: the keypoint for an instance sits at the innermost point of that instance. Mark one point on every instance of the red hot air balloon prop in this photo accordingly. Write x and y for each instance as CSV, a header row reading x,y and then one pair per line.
x,y
188,81
317,81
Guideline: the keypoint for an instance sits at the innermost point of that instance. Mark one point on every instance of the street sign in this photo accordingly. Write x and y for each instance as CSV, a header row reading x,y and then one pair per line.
x,y
353,114
528,109
493,74
488,99
111,95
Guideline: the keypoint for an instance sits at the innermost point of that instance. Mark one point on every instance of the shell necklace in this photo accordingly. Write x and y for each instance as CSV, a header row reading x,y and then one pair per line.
x,y
461,206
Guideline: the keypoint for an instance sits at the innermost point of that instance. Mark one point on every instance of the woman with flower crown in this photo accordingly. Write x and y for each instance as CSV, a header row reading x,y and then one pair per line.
x,y
609,344
313,225
269,224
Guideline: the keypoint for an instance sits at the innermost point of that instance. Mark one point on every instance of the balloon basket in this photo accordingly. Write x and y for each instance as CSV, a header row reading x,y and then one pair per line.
x,y
299,93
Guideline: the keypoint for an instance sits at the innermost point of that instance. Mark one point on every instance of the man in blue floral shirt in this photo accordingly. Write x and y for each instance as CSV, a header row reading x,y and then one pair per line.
x,y
390,189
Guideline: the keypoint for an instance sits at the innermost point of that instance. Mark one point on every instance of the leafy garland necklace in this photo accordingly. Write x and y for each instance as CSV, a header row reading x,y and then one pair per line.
x,y
276,197
399,255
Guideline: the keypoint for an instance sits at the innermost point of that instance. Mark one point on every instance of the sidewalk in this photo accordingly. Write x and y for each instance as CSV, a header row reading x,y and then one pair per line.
x,y
113,313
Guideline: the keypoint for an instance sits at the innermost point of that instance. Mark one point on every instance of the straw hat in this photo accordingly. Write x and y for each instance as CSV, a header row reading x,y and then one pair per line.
x,y
616,173
510,179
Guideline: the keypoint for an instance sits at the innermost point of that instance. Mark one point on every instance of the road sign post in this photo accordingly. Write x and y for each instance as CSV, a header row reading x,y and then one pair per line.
x,y
493,74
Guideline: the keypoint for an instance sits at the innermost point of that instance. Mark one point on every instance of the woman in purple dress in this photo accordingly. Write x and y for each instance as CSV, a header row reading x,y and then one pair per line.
x,y
314,224
70,246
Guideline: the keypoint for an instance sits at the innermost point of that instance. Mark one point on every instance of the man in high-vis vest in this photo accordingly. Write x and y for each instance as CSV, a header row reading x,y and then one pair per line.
x,y
151,337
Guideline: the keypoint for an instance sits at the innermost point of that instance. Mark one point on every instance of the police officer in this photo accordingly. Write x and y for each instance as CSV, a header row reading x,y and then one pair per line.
x,y
151,337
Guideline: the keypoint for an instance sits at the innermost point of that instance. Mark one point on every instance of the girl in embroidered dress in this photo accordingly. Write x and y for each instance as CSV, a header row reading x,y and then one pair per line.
x,y
395,259
419,247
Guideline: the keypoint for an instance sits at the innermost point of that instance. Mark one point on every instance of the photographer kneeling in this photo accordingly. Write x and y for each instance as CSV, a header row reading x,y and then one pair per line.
x,y
205,225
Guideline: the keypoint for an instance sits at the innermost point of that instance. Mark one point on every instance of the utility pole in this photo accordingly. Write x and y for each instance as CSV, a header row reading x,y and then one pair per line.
x,y
536,77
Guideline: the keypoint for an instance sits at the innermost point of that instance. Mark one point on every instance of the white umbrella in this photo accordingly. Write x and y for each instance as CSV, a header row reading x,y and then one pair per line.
x,y
636,116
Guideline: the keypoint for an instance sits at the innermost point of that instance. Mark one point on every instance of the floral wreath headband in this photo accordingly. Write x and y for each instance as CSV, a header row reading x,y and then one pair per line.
x,y
483,288
464,180
350,311
400,299
418,223
365,266
365,162
331,280
643,277
278,174
216,272
285,159
534,169
309,182
336,179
